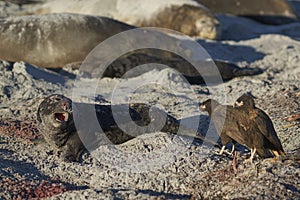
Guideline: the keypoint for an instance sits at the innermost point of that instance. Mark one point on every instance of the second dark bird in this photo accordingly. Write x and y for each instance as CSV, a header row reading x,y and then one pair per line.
x,y
224,120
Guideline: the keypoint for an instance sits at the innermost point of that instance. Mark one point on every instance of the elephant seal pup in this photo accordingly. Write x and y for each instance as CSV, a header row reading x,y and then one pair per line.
x,y
186,16
56,124
54,40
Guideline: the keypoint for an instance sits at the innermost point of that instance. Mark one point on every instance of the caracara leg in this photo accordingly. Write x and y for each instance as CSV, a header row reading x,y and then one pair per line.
x,y
222,150
232,150
253,151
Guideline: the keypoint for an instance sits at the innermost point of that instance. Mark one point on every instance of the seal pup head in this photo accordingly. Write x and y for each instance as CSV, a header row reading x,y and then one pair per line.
x,y
55,112
56,124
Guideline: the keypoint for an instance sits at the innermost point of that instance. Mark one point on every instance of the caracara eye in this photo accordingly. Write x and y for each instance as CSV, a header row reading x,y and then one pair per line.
x,y
61,117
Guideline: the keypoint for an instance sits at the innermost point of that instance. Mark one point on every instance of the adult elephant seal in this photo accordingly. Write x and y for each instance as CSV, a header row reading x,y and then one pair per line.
x,y
54,40
186,16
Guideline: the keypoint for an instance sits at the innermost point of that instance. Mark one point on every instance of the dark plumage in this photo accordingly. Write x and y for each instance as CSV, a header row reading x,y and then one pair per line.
x,y
246,125
224,119
260,134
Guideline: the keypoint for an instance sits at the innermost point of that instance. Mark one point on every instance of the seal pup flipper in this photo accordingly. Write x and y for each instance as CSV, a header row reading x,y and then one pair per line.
x,y
229,71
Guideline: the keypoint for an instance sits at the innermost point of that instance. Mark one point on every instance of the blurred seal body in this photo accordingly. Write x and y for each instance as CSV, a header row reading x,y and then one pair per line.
x,y
186,16
54,40
60,39
22,2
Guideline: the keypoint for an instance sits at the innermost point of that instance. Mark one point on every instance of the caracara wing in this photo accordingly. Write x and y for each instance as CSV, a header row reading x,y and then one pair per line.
x,y
266,127
218,117
225,120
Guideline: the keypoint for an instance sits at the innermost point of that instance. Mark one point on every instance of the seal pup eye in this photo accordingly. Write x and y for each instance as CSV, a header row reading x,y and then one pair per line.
x,y
55,98
61,117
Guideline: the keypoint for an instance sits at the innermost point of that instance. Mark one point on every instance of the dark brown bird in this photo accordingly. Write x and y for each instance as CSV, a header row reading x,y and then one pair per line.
x,y
224,120
258,129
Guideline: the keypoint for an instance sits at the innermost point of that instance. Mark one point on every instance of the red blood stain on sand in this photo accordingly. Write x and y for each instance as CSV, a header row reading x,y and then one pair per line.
x,y
26,189
26,130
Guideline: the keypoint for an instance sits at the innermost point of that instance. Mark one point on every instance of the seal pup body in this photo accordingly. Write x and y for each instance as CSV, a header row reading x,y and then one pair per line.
x,y
124,63
57,118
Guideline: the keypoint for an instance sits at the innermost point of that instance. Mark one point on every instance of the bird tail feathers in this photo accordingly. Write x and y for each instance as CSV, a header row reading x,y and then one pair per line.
x,y
278,153
264,153
268,153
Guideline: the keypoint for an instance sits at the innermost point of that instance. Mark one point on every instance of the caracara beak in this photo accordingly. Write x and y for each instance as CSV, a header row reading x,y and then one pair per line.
x,y
238,103
203,107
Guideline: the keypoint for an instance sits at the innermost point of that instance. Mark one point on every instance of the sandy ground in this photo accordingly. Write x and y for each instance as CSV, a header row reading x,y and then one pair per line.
x,y
157,165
